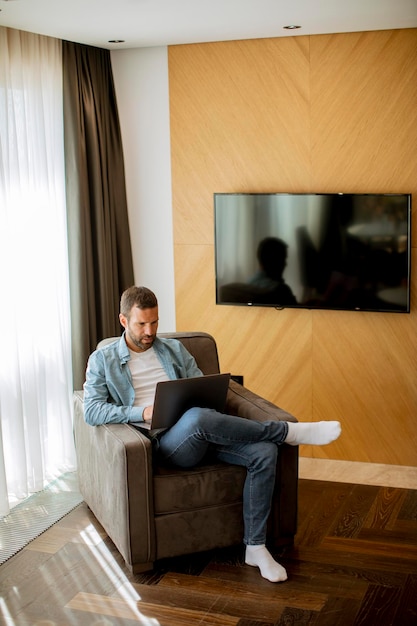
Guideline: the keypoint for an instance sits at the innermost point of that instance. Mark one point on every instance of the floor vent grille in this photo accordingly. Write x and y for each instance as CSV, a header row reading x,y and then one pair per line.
x,y
31,518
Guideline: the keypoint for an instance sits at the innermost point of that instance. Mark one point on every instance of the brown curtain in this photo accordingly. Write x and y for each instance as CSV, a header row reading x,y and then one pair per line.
x,y
100,254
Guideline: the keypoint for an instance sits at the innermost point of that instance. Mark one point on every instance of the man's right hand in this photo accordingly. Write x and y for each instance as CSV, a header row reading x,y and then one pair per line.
x,y
147,413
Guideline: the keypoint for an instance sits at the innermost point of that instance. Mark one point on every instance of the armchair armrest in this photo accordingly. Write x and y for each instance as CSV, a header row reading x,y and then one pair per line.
x,y
115,479
241,401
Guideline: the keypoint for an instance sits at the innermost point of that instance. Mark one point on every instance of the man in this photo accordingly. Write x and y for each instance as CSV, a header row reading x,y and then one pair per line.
x,y
120,387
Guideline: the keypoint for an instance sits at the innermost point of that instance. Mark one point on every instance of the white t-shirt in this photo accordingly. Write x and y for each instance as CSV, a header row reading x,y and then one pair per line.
x,y
146,371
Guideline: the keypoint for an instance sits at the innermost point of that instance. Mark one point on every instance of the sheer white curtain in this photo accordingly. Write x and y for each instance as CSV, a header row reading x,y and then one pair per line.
x,y
36,442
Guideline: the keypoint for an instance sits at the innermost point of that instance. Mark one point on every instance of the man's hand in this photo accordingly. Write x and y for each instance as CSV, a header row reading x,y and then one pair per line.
x,y
147,413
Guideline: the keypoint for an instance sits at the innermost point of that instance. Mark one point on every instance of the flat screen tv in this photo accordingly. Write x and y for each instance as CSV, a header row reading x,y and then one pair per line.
x,y
316,251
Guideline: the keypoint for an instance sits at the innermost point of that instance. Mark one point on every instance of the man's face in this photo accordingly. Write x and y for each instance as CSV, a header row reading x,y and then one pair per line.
x,y
141,327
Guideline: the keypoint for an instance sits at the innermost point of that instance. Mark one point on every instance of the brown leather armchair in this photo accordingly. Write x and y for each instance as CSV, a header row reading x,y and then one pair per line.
x,y
152,512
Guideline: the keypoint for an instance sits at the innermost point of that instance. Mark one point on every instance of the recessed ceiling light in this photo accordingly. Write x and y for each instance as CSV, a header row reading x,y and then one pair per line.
x,y
291,27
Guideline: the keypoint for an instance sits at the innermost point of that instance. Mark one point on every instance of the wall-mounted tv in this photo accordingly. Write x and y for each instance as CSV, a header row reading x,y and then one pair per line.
x,y
317,251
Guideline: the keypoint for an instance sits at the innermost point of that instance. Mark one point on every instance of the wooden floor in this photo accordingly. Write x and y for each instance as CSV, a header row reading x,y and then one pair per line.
x,y
354,562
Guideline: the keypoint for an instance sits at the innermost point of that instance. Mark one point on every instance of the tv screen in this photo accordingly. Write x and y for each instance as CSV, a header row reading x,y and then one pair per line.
x,y
315,251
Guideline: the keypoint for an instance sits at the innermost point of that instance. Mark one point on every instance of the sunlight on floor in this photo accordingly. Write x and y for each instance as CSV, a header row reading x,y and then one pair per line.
x,y
126,604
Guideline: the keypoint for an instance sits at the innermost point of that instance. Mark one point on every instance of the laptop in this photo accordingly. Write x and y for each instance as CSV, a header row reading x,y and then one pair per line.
x,y
174,397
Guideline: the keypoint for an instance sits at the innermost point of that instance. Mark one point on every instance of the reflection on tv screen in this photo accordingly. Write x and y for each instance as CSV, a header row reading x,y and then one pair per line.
x,y
326,251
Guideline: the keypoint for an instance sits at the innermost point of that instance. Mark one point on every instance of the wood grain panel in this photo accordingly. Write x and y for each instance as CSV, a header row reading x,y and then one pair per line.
x,y
146,613
233,107
298,114
247,601
366,378
364,133
363,111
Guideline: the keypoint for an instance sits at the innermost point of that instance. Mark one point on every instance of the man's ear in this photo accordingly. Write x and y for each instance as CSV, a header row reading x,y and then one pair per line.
x,y
123,320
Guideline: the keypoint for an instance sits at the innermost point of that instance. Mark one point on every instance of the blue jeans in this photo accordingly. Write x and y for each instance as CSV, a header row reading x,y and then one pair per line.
x,y
237,441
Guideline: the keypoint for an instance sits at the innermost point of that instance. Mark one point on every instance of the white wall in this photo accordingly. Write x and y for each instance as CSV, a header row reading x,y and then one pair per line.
x,y
141,83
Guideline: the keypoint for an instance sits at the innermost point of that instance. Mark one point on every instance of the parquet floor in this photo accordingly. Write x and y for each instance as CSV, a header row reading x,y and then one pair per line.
x,y
354,562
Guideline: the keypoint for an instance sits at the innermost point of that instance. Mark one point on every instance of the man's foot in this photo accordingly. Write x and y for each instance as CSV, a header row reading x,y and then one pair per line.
x,y
313,433
258,556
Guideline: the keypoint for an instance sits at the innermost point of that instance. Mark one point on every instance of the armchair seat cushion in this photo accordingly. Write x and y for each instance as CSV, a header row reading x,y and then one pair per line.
x,y
179,490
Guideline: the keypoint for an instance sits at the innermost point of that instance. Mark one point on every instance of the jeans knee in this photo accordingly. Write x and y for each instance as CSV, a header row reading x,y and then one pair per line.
x,y
195,418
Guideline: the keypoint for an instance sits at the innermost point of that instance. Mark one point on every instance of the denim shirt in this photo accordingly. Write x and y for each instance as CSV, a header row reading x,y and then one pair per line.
x,y
108,389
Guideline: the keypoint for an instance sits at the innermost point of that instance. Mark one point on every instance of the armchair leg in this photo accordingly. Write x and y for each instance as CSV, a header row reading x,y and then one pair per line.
x,y
139,568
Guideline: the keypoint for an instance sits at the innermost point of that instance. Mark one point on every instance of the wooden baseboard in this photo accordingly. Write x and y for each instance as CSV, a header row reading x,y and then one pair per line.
x,y
358,473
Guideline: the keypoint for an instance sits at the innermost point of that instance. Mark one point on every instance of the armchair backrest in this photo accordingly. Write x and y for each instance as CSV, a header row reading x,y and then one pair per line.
x,y
201,345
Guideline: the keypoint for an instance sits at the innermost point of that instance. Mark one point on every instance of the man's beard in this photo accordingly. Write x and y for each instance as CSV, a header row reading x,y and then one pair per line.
x,y
138,342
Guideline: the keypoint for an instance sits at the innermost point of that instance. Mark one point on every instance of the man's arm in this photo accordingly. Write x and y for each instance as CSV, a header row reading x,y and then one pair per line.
x,y
107,401
190,364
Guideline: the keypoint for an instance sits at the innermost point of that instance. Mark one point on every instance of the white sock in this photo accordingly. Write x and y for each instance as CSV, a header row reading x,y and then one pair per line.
x,y
314,433
258,556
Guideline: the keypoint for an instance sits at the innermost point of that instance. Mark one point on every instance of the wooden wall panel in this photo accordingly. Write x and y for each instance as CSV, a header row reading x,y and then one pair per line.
x,y
233,108
364,133
363,111
299,114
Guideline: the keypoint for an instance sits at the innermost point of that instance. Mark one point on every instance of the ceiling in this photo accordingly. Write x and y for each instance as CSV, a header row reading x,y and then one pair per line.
x,y
145,23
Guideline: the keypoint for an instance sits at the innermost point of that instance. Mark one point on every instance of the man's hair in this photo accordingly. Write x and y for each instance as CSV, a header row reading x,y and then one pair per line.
x,y
141,297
